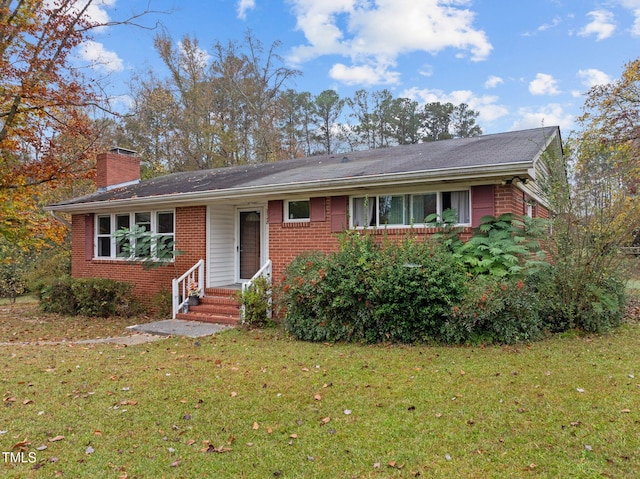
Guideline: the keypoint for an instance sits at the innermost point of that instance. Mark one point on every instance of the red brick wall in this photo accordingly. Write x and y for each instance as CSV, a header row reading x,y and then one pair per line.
x,y
288,240
190,237
114,169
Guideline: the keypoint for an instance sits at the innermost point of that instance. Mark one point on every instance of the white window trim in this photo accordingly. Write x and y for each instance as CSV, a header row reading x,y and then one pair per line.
x,y
113,248
377,210
296,220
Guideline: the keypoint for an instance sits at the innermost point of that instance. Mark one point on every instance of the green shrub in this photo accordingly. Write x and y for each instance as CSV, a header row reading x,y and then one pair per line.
x,y
592,303
256,303
58,297
495,310
371,292
90,297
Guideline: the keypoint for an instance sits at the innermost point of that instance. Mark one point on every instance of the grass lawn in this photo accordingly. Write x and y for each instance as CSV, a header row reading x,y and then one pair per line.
x,y
260,405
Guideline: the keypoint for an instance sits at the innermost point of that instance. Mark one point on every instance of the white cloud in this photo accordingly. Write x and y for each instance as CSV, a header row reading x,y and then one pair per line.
x,y
376,33
493,81
634,6
485,105
602,25
99,58
244,6
365,75
592,77
544,84
549,115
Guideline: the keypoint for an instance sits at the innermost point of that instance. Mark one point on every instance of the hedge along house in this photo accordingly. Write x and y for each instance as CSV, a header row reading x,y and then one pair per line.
x,y
232,224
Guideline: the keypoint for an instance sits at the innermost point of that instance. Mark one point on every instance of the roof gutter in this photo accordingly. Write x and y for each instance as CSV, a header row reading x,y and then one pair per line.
x,y
389,179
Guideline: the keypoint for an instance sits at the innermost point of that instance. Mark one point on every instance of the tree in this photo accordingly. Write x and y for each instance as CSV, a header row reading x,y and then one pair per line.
x,y
463,120
437,121
405,121
225,106
47,138
328,107
612,110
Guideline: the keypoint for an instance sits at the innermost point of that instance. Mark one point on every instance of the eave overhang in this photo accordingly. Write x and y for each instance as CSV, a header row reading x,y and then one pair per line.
x,y
493,173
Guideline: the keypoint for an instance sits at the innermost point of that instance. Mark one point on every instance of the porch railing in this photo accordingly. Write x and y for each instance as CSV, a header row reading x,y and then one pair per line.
x,y
180,287
264,271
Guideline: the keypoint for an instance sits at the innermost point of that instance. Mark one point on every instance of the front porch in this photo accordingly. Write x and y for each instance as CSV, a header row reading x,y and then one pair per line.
x,y
219,304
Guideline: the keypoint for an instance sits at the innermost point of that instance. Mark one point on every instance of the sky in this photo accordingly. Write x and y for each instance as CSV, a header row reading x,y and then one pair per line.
x,y
519,63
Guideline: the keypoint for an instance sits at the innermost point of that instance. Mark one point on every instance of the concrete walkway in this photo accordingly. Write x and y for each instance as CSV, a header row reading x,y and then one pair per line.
x,y
179,327
143,333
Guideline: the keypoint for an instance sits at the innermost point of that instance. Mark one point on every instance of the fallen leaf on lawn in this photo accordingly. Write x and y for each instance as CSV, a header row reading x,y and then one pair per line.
x,y
256,426
625,411
376,465
21,445
391,463
10,399
128,402
234,394
325,421
317,397
41,448
269,430
580,390
462,373
347,411
56,438
305,369
219,450
27,401
175,463
447,457
97,433
191,442
89,450
293,436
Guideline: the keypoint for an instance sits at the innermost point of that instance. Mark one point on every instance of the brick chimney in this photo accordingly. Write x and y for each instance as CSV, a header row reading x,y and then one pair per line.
x,y
117,167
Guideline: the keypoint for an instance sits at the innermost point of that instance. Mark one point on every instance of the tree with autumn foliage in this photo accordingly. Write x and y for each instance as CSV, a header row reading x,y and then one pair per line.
x,y
607,157
48,139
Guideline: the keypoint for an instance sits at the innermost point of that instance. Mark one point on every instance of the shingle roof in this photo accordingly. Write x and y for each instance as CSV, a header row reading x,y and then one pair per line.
x,y
490,151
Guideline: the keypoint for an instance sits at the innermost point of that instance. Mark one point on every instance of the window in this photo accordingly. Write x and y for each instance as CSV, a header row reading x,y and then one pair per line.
x,y
392,210
122,221
459,202
297,210
364,211
104,236
410,209
159,226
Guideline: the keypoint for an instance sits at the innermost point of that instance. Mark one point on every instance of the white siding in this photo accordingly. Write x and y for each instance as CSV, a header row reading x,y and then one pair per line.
x,y
221,245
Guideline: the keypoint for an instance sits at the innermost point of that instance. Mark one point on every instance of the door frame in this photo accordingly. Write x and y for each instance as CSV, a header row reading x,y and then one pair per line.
x,y
262,211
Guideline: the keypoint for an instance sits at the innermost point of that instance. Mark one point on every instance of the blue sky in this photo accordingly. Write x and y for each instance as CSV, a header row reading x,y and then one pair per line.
x,y
519,63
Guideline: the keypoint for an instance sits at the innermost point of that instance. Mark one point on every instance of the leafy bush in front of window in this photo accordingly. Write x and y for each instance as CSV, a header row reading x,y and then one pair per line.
x,y
371,292
150,249
89,297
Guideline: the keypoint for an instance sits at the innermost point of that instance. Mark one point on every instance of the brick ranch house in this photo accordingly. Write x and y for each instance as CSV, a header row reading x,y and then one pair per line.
x,y
233,223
